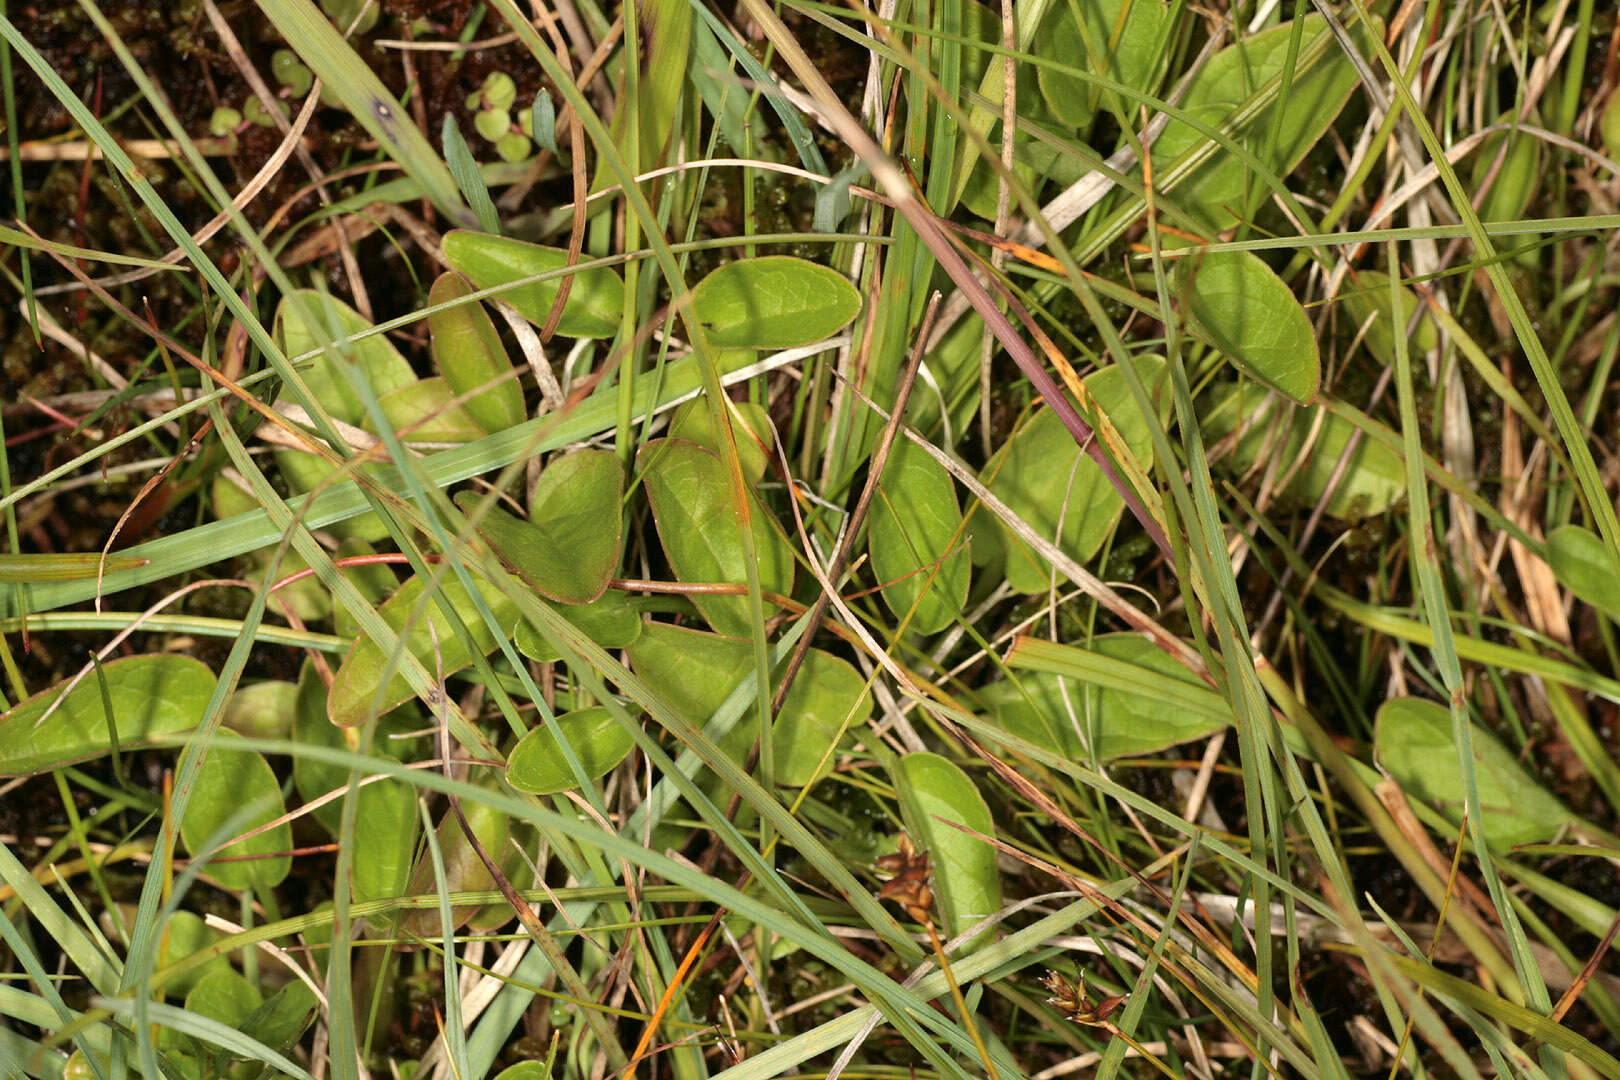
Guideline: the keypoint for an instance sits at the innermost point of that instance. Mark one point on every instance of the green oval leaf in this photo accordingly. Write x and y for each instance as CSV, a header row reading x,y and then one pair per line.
x,y
827,699
386,827
537,764
225,996
313,779
525,1070
1517,178
263,710
1129,52
1374,479
283,1017
469,354
1046,479
151,696
595,301
374,581
1223,191
697,671
1121,695
306,598
570,546
1415,746
692,503
464,871
1246,312
1032,168
915,523
612,621
329,379
755,437
306,472
237,790
775,302
425,412
1581,562
936,796
355,686
184,935
1369,299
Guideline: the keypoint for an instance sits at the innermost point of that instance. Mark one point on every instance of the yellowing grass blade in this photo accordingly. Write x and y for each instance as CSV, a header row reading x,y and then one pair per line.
x,y
27,569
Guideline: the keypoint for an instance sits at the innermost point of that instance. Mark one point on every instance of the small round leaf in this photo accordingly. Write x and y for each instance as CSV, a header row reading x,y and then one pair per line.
x,y
595,301
1415,746
776,302
1246,312
151,696
237,792
935,796
537,764
1581,562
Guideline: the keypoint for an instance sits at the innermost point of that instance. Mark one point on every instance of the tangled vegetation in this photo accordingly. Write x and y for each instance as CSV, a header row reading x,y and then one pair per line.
x,y
949,540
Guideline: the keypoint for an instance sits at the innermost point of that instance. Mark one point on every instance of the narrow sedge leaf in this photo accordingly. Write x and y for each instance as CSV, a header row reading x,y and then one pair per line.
x,y
318,43
595,301
665,32
468,353
832,199
1245,311
19,239
537,764
1517,177
777,302
26,569
793,125
151,696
